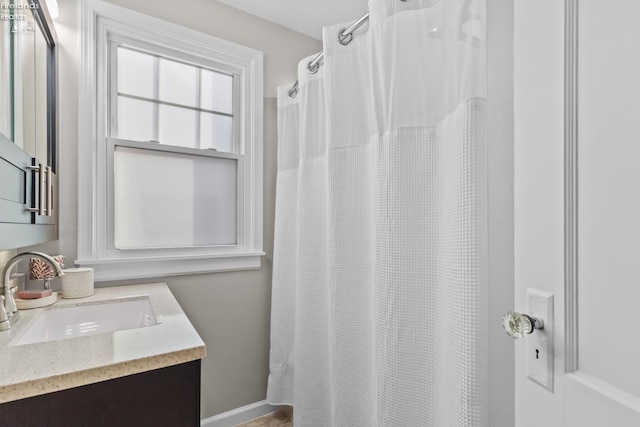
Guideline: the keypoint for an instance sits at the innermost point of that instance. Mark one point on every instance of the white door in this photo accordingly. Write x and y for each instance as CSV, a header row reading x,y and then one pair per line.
x,y
577,206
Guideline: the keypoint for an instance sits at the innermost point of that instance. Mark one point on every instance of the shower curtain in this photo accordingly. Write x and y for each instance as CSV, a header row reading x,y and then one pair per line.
x,y
379,278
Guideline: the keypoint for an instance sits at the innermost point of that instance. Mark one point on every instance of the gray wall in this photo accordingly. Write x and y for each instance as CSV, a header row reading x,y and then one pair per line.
x,y
230,310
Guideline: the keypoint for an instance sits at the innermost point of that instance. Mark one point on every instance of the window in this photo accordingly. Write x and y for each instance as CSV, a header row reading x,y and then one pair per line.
x,y
169,103
166,100
171,181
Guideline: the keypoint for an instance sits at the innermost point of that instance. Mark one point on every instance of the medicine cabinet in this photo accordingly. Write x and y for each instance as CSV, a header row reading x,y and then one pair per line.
x,y
28,125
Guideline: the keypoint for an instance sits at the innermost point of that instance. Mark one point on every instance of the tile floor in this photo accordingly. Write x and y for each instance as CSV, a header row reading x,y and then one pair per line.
x,y
273,420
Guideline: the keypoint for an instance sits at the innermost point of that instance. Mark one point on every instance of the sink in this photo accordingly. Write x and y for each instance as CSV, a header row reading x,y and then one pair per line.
x,y
79,320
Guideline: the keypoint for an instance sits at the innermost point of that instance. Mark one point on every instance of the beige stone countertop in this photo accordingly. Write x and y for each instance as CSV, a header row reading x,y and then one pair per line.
x,y
39,368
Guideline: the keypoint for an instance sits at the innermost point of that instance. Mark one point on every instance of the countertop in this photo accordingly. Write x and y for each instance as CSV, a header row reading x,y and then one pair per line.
x,y
39,368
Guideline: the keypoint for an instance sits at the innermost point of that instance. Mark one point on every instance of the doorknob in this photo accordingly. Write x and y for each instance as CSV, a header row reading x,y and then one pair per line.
x,y
518,325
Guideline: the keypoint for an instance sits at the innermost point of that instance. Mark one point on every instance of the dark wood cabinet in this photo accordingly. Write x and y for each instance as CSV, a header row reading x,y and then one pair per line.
x,y
166,397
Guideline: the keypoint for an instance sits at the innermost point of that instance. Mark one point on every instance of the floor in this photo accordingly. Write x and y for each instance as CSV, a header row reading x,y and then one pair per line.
x,y
273,420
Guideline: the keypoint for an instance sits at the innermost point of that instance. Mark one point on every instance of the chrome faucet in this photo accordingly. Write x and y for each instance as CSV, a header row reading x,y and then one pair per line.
x,y
9,311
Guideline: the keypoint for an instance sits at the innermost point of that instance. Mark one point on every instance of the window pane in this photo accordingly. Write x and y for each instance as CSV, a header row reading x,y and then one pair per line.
x,y
216,131
135,119
178,83
216,92
177,126
135,73
191,203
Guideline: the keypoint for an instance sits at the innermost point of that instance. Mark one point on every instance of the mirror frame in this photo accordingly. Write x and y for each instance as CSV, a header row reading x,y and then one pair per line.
x,y
45,22
42,17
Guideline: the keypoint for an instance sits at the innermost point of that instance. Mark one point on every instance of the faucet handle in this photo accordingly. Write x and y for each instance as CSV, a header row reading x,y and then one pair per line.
x,y
4,319
10,304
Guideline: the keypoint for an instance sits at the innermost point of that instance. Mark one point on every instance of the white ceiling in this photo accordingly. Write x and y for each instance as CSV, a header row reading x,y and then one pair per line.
x,y
305,16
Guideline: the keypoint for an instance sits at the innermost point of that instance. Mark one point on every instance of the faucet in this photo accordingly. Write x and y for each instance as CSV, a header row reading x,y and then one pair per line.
x,y
8,310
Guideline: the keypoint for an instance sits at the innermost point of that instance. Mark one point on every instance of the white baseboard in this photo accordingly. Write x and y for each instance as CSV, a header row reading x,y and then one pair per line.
x,y
239,415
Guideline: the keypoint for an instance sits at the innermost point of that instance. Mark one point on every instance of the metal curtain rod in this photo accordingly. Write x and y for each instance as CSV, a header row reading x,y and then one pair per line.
x,y
344,38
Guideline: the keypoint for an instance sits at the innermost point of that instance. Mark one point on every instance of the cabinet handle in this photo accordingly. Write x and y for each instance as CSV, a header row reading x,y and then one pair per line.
x,y
41,209
49,191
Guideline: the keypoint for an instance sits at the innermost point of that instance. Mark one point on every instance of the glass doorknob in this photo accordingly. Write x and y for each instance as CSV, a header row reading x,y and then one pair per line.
x,y
518,325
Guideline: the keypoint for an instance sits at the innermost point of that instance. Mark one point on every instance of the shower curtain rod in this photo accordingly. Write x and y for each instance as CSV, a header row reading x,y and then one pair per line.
x,y
344,38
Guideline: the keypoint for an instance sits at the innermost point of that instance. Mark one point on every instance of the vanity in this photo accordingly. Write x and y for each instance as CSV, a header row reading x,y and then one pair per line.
x,y
125,356
92,372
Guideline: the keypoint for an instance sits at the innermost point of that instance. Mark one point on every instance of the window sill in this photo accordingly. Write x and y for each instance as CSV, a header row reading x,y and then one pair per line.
x,y
143,268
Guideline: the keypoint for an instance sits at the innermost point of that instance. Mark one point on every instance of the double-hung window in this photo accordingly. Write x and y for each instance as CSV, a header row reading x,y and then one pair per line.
x,y
171,177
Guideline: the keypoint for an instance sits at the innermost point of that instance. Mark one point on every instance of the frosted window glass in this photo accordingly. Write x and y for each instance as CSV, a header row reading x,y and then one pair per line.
x,y
216,92
164,199
178,83
135,119
177,126
216,131
135,73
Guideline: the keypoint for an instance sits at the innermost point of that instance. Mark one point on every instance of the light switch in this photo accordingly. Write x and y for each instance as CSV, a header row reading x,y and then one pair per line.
x,y
540,342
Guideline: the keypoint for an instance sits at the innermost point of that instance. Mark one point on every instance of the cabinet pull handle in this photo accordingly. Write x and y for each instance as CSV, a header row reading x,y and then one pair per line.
x,y
41,209
49,191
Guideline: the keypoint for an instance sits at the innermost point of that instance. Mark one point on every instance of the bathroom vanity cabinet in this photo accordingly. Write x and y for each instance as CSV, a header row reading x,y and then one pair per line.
x,y
28,125
167,397
145,375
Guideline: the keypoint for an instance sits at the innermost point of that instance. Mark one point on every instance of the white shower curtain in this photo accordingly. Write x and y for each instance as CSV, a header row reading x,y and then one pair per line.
x,y
379,279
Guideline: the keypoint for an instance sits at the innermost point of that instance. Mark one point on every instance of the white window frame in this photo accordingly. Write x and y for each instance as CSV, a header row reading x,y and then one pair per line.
x,y
100,23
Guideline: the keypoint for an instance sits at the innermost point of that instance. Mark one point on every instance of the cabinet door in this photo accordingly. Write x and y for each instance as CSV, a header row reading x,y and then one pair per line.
x,y
33,99
165,397
17,184
19,196
28,133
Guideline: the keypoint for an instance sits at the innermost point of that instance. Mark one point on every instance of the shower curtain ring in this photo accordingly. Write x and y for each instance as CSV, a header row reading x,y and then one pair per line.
x,y
344,39
293,91
313,67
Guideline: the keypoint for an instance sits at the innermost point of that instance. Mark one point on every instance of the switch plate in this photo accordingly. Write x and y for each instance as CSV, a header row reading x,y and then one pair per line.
x,y
540,342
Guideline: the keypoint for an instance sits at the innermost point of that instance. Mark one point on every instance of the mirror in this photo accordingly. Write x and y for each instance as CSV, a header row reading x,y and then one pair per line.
x,y
26,88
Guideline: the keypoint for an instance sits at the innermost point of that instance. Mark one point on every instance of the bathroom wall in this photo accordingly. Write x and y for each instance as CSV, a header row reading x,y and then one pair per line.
x,y
230,310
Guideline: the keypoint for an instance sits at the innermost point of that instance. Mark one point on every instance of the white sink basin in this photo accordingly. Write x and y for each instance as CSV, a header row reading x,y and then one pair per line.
x,y
61,322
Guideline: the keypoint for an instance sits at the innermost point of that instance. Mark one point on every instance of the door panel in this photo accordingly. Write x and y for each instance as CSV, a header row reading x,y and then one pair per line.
x,y
608,190
594,403
596,173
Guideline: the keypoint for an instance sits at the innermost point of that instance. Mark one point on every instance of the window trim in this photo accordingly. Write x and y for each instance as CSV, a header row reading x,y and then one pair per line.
x,y
100,22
